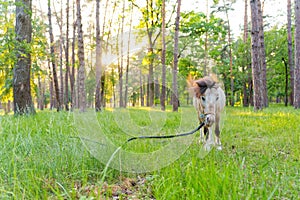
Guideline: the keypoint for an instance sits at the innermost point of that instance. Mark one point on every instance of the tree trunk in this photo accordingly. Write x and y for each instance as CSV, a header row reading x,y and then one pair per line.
x,y
151,79
286,82
150,95
41,94
120,75
61,95
141,89
81,70
205,66
230,58
21,79
72,72
290,50
98,59
102,87
246,69
262,50
163,58
128,61
54,73
67,60
256,68
297,56
175,98
50,85
151,41
121,103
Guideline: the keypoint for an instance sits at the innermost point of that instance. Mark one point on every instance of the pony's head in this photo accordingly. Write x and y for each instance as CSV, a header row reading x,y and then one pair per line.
x,y
207,95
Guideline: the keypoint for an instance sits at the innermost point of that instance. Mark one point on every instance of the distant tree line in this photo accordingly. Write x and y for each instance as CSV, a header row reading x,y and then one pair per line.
x,y
54,59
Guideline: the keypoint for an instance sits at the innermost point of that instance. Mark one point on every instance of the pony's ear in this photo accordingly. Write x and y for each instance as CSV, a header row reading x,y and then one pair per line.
x,y
202,86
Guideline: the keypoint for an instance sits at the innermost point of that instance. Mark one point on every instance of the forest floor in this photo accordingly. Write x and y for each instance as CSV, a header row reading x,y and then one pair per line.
x,y
75,156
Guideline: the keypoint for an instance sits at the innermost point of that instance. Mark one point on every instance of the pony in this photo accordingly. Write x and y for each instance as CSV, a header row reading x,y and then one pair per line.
x,y
209,100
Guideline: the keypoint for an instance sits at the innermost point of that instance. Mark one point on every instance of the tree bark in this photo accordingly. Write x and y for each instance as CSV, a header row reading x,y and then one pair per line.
x,y
262,50
67,59
141,89
61,95
290,50
98,59
163,57
128,61
255,51
297,56
205,67
175,99
81,70
245,68
230,58
72,71
21,73
52,57
121,102
40,93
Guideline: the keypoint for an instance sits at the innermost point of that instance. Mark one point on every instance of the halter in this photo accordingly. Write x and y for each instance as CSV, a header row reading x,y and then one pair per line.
x,y
203,114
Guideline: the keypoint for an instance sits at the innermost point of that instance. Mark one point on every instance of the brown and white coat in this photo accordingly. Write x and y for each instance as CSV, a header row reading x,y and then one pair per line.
x,y
209,101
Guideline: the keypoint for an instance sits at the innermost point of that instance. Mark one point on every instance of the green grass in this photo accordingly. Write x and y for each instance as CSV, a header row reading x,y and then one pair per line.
x,y
42,157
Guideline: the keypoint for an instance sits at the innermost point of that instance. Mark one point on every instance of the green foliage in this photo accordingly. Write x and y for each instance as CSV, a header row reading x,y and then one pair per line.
x,y
196,24
37,49
151,15
198,31
7,45
188,68
276,49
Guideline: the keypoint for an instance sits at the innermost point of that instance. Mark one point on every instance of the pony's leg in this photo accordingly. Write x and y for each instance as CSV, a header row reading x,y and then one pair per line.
x,y
201,140
209,139
203,135
217,133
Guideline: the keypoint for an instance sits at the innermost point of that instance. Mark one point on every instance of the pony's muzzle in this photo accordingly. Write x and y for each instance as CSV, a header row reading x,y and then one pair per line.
x,y
209,120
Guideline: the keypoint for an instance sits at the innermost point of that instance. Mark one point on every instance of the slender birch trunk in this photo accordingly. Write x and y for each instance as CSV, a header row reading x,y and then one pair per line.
x,y
245,39
72,71
128,61
52,57
98,59
121,102
163,58
67,58
175,98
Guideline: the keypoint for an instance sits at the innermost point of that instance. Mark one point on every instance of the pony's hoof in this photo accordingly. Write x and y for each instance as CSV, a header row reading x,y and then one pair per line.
x,y
207,147
219,147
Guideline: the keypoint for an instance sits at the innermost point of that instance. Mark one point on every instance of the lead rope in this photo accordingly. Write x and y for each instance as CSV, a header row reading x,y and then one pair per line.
x,y
168,136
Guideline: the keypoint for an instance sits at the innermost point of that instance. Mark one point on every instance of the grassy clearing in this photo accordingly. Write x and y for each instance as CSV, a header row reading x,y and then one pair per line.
x,y
260,160
41,157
